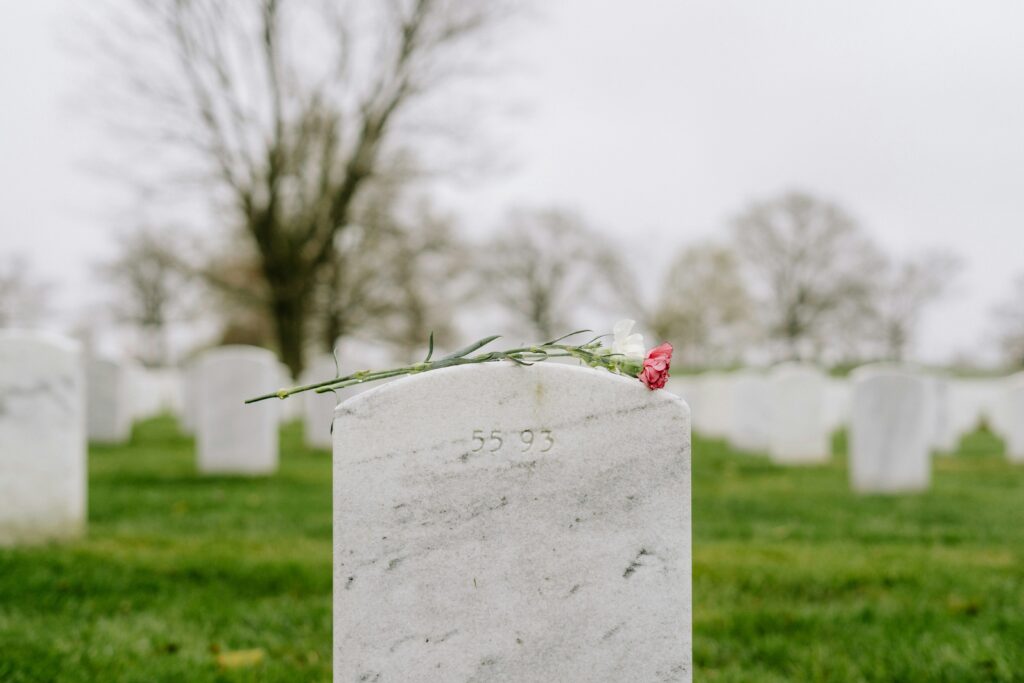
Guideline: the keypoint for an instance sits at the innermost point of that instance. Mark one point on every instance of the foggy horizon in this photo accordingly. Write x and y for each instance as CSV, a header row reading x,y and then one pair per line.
x,y
659,126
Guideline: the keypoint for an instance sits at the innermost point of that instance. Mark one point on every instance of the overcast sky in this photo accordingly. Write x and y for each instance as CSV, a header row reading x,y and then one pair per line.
x,y
659,121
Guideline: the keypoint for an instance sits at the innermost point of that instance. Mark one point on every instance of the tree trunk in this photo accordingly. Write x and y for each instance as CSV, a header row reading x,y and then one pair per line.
x,y
333,324
290,314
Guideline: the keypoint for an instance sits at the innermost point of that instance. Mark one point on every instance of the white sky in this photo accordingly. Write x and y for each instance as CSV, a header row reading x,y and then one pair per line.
x,y
658,120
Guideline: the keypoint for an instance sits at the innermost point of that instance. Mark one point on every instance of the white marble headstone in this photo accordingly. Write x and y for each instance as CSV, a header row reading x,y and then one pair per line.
x,y
751,414
972,402
232,437
715,405
42,438
947,424
1010,408
837,403
502,523
169,388
354,355
890,433
946,430
687,387
146,393
799,431
318,409
156,391
288,411
190,390
108,400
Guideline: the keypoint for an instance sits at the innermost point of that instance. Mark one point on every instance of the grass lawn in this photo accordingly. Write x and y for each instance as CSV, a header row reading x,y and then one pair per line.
x,y
795,578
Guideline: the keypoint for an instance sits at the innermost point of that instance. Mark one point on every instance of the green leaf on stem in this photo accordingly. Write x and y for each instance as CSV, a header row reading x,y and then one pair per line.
x,y
430,349
565,336
471,348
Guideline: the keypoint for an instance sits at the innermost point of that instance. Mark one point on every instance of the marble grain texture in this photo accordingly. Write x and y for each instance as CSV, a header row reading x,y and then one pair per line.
x,y
42,438
502,523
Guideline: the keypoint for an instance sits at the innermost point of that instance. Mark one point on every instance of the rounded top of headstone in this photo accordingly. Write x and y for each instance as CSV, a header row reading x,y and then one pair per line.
x,y
1014,382
796,368
104,367
239,351
103,359
749,376
318,368
356,354
541,385
892,381
898,367
713,374
868,370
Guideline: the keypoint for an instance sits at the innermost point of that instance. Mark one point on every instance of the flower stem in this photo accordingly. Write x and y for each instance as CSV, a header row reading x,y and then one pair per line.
x,y
591,353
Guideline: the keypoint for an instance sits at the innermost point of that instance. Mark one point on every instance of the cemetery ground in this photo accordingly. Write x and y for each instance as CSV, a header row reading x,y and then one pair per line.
x,y
182,578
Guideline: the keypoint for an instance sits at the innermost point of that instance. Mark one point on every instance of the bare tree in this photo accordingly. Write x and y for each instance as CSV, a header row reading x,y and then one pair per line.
x,y
397,273
704,308
150,290
1009,319
400,273
287,110
546,265
904,290
24,299
810,264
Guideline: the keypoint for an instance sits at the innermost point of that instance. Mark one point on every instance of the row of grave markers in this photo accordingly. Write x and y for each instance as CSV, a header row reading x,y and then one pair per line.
x,y
896,416
53,400
491,522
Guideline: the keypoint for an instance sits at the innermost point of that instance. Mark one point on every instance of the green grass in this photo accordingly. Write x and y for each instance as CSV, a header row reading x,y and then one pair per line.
x,y
795,578
176,570
798,579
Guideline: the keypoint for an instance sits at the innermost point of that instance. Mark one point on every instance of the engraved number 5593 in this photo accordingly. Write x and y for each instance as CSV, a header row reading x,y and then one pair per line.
x,y
527,438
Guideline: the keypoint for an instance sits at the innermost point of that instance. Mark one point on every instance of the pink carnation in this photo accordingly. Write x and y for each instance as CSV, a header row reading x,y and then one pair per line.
x,y
656,365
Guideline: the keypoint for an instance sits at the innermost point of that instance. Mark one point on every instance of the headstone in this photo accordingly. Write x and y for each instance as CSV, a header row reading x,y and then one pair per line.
x,y
232,437
799,433
890,433
750,426
42,438
156,391
837,403
190,390
146,393
354,355
946,429
168,384
687,387
946,424
1010,408
715,405
108,400
287,411
973,402
318,409
501,523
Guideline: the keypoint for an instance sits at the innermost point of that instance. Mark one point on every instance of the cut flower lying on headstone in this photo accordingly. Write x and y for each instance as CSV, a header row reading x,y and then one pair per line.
x,y
625,356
